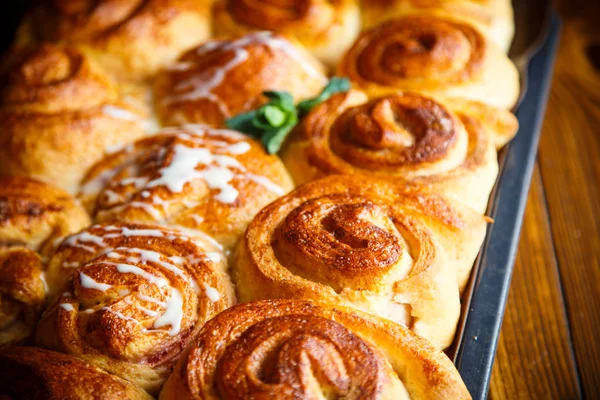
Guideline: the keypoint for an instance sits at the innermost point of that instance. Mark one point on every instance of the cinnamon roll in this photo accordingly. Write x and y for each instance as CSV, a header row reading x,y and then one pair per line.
x,y
223,78
132,39
449,146
132,298
211,181
494,17
58,114
32,373
389,249
441,55
33,216
294,349
325,28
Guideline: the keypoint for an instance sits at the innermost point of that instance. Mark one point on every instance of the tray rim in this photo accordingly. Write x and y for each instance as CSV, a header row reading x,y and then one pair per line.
x,y
478,341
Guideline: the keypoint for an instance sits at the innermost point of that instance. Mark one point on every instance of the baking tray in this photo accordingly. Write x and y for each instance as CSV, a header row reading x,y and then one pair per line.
x,y
485,297
475,346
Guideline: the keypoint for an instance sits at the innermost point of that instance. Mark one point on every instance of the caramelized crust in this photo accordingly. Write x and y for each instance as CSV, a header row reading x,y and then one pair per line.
x,y
33,216
132,39
58,114
440,55
131,298
494,17
294,349
390,249
30,373
449,146
210,181
223,78
325,28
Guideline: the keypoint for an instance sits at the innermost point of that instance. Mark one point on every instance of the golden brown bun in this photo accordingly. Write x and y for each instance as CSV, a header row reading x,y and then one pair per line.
x,y
33,216
211,181
449,146
439,55
389,249
494,17
132,39
22,294
325,28
221,79
294,349
132,298
30,373
58,114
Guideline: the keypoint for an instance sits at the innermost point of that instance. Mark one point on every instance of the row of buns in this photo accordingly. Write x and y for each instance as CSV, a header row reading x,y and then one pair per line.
x,y
366,229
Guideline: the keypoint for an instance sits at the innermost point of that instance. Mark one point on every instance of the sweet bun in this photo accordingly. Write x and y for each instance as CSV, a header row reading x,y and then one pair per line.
x,y
223,78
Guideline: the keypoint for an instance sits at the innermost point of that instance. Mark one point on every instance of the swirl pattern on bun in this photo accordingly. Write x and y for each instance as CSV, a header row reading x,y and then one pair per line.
x,y
33,217
394,250
58,114
325,28
223,78
132,39
132,298
442,56
32,373
448,146
494,17
292,349
210,181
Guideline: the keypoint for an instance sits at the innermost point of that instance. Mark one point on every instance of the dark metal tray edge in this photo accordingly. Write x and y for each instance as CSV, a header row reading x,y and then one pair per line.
x,y
477,349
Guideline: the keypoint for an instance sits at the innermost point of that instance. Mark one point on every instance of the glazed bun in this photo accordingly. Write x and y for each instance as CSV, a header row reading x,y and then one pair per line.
x,y
286,349
59,112
325,28
132,298
223,78
442,56
210,181
132,39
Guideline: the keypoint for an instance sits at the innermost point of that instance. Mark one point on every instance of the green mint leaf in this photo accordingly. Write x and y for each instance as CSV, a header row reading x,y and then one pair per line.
x,y
283,100
274,116
335,85
274,138
244,123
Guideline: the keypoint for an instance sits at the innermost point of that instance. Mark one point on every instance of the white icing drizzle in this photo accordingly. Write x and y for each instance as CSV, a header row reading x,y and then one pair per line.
x,y
173,313
200,85
89,283
120,113
66,306
212,293
43,279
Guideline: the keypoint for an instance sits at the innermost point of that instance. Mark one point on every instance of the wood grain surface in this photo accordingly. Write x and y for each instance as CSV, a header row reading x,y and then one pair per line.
x,y
550,342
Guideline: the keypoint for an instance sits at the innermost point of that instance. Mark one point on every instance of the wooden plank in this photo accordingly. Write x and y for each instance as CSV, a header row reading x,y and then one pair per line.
x,y
534,358
570,167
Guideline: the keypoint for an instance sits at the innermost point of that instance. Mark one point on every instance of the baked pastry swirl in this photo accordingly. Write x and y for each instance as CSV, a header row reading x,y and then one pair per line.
x,y
390,249
132,298
223,78
439,55
325,28
132,39
494,17
33,216
449,146
58,114
211,181
32,373
294,349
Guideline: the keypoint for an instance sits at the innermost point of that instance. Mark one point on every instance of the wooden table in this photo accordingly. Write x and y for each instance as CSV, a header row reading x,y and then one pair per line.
x,y
549,347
